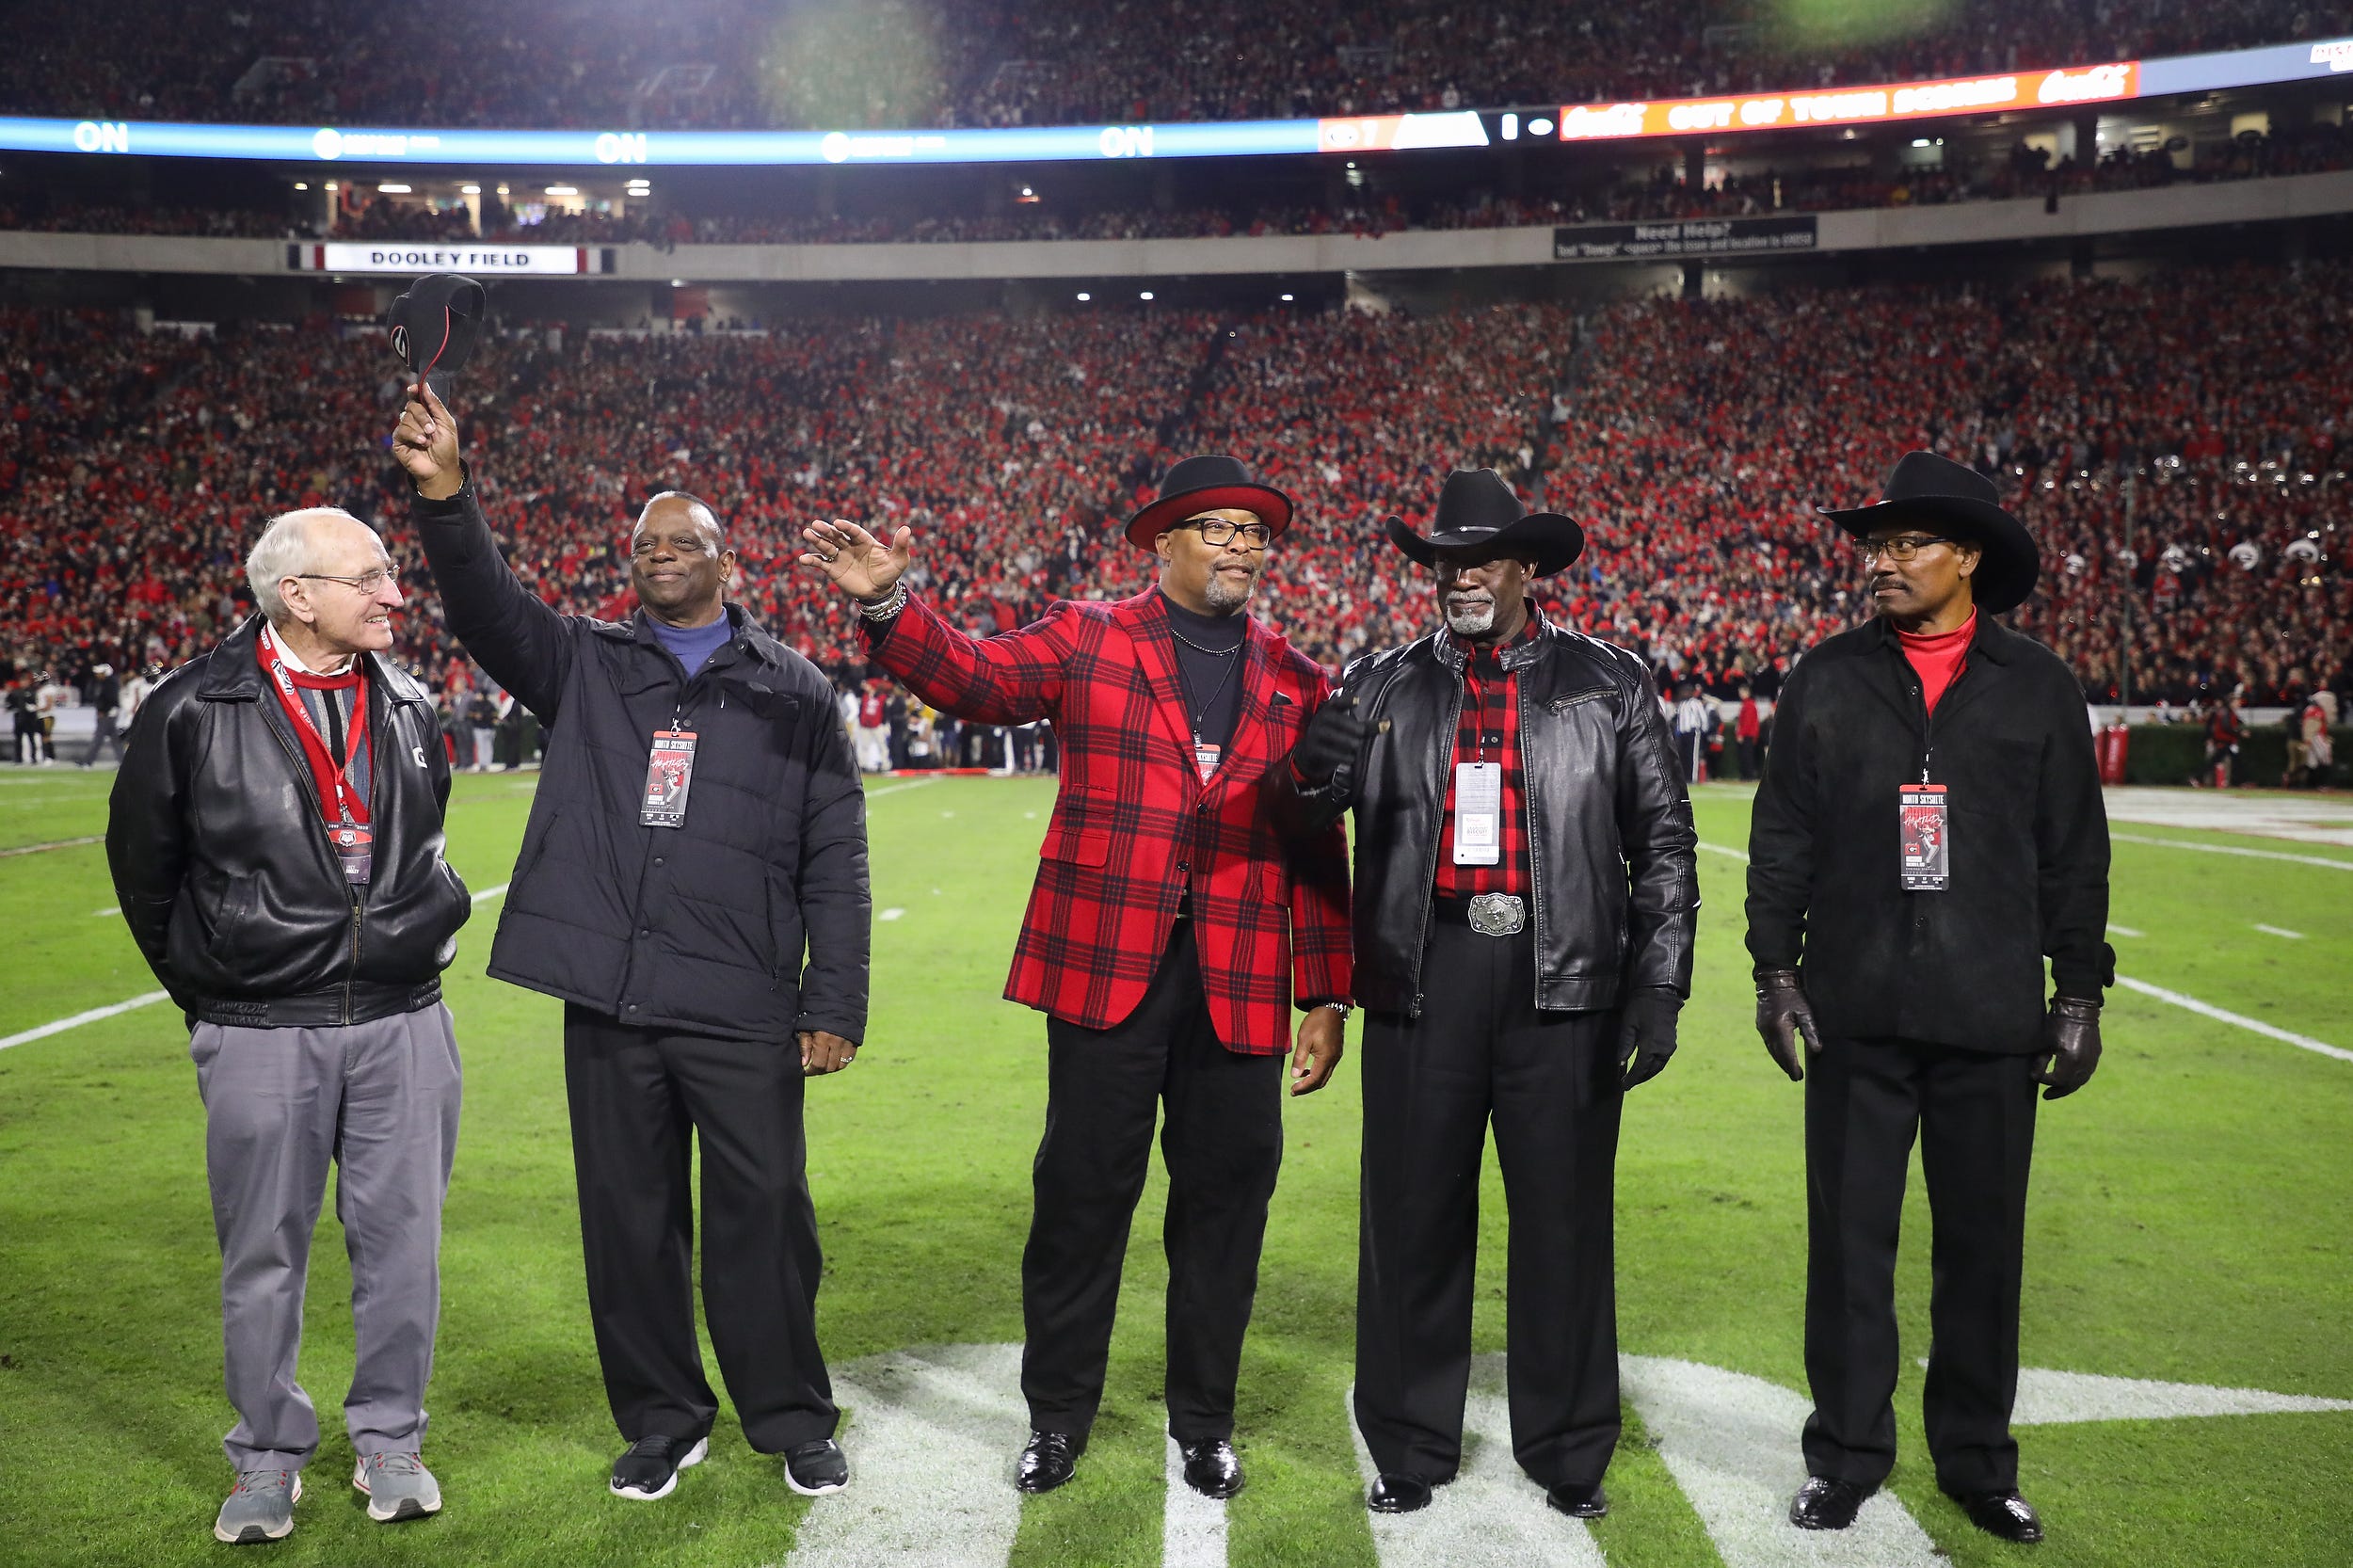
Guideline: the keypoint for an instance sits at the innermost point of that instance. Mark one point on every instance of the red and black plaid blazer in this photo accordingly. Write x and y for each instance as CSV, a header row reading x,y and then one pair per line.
x,y
1134,824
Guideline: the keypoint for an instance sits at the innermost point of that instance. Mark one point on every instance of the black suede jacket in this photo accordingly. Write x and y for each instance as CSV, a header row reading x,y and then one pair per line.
x,y
223,869
2028,840
1612,854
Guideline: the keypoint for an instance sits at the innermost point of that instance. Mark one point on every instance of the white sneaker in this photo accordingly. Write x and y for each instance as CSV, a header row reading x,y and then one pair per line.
x,y
398,1486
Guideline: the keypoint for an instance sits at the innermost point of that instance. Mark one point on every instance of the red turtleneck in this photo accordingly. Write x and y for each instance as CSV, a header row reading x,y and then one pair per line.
x,y
1937,656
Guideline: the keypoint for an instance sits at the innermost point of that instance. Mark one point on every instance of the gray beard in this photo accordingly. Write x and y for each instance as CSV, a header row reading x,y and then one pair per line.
x,y
1471,622
1223,595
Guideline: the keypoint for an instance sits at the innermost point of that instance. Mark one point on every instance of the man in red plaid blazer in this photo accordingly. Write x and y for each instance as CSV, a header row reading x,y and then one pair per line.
x,y
1170,930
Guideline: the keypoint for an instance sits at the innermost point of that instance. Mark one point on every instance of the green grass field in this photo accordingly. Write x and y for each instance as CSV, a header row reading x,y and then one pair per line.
x,y
2189,1223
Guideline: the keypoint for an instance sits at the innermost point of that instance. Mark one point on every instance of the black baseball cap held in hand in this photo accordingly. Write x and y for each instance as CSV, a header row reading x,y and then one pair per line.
x,y
435,327
1930,490
1478,511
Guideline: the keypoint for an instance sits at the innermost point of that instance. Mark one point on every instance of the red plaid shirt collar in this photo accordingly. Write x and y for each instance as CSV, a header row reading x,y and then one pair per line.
x,y
1489,732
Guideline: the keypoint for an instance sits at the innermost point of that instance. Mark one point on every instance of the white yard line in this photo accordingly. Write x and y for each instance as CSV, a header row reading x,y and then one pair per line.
x,y
111,909
2116,930
55,844
93,1016
2279,931
1192,1527
891,913
1741,856
2233,849
2207,1009
894,788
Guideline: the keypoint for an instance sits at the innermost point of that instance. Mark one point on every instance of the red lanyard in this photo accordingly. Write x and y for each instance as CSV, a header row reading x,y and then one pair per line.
x,y
300,713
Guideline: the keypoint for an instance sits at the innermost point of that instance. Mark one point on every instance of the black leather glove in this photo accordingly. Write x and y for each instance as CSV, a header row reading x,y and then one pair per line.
x,y
1784,1017
1646,1036
2071,1046
1333,739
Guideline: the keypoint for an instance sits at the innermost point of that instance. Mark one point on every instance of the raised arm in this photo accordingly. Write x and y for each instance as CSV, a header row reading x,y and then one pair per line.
x,y
524,643
1012,677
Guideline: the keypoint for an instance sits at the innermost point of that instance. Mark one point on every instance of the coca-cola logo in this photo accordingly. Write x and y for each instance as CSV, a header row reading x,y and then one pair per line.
x,y
1586,122
2092,82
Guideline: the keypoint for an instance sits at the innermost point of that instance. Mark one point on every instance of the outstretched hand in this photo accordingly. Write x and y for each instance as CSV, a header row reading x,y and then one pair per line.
x,y
425,443
854,560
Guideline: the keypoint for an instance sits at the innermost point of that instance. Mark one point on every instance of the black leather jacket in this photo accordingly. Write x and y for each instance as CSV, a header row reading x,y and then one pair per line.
x,y
223,869
1613,857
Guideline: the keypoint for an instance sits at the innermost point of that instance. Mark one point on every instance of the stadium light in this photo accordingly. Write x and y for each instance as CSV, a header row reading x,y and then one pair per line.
x,y
469,190
562,190
502,190
331,185
677,283
1145,295
1287,300
392,190
302,184
1083,297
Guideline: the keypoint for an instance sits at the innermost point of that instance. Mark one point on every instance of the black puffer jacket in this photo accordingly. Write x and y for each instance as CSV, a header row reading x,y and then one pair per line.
x,y
2028,836
223,869
750,921
1612,849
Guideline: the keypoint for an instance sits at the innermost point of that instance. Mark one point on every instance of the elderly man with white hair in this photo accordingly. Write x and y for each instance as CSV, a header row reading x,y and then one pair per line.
x,y
275,836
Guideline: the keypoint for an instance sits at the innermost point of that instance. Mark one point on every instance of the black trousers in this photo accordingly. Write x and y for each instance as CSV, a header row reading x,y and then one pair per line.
x,y
1482,1052
1973,1113
1223,1142
638,1095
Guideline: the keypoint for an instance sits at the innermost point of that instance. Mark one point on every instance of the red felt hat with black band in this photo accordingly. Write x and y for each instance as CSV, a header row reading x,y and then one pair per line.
x,y
1210,483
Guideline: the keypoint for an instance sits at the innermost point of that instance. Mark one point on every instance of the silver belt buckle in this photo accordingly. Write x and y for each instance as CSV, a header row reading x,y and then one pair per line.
x,y
1497,914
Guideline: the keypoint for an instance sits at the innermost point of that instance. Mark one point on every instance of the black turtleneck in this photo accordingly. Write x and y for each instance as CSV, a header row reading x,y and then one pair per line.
x,y
1209,681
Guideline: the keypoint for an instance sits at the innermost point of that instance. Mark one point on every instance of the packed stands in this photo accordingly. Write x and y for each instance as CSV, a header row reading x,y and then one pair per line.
x,y
1693,438
730,63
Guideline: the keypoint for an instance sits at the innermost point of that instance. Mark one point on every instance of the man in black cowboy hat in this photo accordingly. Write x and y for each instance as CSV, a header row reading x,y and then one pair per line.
x,y
1526,902
1930,829
1170,934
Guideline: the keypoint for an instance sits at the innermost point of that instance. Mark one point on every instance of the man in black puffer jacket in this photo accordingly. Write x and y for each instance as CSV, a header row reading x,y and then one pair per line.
x,y
275,841
693,885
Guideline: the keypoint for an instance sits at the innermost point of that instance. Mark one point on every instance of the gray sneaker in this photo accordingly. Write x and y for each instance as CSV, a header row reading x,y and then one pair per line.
x,y
261,1508
398,1487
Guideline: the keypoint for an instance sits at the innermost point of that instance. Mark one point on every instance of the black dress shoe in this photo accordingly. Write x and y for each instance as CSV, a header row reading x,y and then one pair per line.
x,y
1824,1504
1212,1468
1579,1502
1396,1492
2002,1513
1052,1459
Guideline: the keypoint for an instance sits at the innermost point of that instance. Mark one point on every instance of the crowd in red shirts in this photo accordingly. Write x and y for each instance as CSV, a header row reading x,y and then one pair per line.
x,y
2205,408
727,63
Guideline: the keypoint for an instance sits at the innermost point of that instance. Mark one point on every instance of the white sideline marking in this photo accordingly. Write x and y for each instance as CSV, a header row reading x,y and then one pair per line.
x,y
1731,1443
891,913
62,1025
2279,931
1192,1531
1741,856
2210,1011
111,909
931,1437
2116,930
894,788
1491,1515
2232,849
95,1014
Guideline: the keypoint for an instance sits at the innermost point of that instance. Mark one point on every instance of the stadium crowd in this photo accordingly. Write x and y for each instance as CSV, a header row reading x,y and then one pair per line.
x,y
730,63
1693,438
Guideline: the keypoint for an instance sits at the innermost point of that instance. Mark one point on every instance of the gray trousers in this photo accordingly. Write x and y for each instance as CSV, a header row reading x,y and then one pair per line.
x,y
379,1101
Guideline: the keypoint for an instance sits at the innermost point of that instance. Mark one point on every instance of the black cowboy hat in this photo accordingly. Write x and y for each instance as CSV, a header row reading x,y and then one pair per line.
x,y
1937,492
1210,483
1477,510
435,327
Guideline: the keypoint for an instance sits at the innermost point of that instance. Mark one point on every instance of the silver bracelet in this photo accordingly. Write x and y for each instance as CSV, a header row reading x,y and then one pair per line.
x,y
1340,1007
887,606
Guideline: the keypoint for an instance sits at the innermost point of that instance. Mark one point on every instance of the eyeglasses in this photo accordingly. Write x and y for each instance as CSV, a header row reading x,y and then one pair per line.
x,y
366,582
1903,546
1218,531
